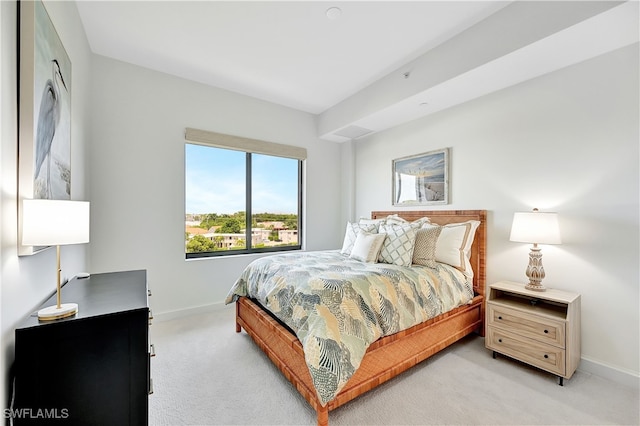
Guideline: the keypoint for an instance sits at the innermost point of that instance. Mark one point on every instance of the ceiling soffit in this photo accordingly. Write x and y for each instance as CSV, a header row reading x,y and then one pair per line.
x,y
519,42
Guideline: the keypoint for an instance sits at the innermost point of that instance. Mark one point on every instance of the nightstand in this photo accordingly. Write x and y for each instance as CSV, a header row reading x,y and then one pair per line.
x,y
538,328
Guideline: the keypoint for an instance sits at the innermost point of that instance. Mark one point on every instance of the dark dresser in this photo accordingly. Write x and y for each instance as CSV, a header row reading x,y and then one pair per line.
x,y
92,368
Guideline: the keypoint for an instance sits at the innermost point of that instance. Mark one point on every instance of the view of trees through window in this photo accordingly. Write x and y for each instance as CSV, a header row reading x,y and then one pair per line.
x,y
218,198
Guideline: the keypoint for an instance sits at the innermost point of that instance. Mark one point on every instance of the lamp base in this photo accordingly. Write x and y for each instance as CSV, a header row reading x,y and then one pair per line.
x,y
535,271
535,287
51,313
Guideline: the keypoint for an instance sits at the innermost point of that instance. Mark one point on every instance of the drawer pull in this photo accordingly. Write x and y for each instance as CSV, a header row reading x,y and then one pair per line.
x,y
499,317
152,351
500,340
546,356
149,292
546,331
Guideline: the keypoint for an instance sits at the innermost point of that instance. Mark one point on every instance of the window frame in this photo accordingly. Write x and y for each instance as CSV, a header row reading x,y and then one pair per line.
x,y
242,145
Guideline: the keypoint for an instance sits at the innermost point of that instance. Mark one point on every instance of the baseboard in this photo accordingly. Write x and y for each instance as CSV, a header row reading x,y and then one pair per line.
x,y
203,309
623,377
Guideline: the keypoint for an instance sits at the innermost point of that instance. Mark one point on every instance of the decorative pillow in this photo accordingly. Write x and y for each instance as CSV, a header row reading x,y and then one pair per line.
x,y
421,221
376,222
394,219
367,247
352,233
424,252
398,246
397,220
454,244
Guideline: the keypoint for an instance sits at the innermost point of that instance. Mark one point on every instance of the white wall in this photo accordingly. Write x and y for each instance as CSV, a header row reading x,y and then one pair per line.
x,y
27,281
139,118
565,142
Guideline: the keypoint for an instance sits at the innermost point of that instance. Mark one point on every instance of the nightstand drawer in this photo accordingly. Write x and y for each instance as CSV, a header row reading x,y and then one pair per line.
x,y
547,357
542,329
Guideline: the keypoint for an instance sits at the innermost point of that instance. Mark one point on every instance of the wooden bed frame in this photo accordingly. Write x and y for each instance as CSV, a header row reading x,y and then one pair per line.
x,y
390,355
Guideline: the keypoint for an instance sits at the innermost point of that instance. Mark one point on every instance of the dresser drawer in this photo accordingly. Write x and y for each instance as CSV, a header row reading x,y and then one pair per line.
x,y
541,329
546,357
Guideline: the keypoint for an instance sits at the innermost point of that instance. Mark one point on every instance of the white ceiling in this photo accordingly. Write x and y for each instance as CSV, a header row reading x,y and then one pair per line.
x,y
380,64
289,53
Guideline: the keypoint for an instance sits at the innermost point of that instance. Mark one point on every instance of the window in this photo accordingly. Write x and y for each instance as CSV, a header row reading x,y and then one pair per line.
x,y
240,201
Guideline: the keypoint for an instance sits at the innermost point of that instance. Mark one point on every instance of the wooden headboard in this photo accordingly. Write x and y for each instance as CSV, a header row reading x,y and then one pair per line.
x,y
442,217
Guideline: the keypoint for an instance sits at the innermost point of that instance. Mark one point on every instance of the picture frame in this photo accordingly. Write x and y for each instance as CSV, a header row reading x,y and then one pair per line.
x,y
44,111
421,179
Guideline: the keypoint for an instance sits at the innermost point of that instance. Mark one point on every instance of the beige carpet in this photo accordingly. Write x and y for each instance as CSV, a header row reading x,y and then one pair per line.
x,y
206,374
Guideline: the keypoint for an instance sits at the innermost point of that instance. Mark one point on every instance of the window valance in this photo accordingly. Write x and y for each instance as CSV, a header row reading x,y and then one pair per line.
x,y
244,144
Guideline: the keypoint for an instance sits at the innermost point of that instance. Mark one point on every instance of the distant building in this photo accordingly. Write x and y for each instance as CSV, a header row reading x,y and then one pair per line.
x,y
192,230
272,225
261,233
258,236
228,241
288,236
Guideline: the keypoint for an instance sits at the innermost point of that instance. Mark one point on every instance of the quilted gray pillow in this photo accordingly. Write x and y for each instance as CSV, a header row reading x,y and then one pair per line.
x,y
424,252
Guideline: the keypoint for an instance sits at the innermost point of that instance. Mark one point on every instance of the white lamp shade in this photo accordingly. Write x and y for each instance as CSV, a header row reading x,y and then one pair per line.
x,y
54,222
535,227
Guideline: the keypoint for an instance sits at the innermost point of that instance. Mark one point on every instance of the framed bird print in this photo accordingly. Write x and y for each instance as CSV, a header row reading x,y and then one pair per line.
x,y
44,97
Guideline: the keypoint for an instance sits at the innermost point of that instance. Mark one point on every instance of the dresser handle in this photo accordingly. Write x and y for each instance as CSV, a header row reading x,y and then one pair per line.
x,y
546,331
499,340
546,356
499,318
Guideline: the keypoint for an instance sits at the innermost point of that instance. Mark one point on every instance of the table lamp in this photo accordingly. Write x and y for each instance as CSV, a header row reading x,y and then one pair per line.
x,y
537,228
55,223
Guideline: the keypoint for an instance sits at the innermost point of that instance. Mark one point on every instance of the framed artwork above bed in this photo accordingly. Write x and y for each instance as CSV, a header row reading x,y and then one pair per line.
x,y
421,179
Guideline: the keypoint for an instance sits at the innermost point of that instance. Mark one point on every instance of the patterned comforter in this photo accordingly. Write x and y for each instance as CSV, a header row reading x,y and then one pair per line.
x,y
338,306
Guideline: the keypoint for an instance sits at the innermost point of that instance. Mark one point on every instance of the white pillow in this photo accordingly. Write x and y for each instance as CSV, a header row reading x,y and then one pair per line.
x,y
398,246
352,232
454,244
367,247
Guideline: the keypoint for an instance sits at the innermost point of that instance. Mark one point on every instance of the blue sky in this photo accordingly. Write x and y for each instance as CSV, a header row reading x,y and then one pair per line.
x,y
430,166
215,182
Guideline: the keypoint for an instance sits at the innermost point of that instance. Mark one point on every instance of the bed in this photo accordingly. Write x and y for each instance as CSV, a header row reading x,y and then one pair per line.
x,y
388,355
